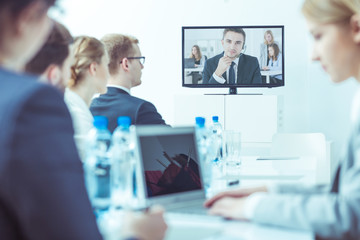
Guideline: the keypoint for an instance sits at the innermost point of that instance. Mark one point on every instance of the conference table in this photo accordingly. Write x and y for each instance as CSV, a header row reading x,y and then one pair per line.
x,y
254,170
183,226
267,74
270,73
189,226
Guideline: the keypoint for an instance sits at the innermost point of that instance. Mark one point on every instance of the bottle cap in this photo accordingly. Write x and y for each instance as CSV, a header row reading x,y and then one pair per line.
x,y
200,121
215,119
124,121
100,122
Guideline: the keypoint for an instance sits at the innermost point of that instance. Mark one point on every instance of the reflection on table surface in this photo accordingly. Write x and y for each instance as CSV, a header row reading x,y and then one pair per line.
x,y
188,226
183,226
255,172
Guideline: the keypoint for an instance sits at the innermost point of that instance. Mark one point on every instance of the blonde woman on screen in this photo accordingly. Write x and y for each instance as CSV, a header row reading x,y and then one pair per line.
x,y
330,214
268,40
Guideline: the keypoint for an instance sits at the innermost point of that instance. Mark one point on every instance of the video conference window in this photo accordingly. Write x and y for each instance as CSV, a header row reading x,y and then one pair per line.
x,y
251,56
170,164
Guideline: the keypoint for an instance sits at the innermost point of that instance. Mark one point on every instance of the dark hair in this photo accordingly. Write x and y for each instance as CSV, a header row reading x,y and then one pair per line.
x,y
276,51
118,47
16,6
237,30
54,51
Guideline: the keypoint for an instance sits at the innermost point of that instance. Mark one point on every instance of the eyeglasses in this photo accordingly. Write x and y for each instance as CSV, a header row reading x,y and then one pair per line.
x,y
141,59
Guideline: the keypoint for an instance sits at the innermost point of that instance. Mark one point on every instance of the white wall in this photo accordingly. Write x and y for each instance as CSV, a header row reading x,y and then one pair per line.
x,y
311,102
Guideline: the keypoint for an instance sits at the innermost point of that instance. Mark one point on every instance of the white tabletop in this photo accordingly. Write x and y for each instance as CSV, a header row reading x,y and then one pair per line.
x,y
182,226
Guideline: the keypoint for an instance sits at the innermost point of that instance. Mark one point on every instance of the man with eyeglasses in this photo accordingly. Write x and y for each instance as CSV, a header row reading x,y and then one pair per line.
x,y
126,64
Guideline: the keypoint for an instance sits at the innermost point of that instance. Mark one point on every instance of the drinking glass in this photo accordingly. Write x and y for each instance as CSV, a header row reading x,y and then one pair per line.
x,y
231,155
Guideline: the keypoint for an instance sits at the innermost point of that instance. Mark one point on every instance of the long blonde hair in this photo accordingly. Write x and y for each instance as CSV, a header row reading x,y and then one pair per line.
x,y
330,11
272,37
87,50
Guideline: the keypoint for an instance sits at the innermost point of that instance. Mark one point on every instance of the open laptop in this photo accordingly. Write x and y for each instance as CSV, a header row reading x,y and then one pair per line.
x,y
169,170
189,62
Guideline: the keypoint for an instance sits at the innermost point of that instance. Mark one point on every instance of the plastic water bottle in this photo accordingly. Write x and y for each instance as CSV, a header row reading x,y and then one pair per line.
x,y
123,168
217,131
97,165
207,153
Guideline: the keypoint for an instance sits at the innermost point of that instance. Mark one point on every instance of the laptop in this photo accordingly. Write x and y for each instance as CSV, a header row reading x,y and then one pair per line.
x,y
168,168
189,62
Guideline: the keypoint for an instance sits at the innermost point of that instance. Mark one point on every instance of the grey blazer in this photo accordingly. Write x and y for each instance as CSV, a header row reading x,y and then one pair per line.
x,y
332,213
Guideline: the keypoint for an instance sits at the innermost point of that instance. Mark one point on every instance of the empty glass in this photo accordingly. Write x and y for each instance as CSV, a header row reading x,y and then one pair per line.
x,y
231,155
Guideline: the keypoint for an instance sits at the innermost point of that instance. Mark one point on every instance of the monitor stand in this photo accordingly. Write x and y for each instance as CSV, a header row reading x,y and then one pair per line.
x,y
233,91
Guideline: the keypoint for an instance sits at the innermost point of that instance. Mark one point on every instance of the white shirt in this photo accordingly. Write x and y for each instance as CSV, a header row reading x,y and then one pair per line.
x,y
82,119
221,79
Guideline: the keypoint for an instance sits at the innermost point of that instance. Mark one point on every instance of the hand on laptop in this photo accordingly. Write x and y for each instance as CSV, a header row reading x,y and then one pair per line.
x,y
238,193
229,207
230,204
145,226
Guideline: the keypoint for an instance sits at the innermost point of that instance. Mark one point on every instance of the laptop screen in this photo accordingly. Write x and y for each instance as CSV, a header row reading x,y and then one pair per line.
x,y
189,62
169,161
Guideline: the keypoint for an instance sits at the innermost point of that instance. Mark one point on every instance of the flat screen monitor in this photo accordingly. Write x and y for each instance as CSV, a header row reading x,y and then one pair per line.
x,y
233,57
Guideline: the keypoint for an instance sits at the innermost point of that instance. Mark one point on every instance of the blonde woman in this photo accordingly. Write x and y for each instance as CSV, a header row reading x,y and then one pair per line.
x,y
334,213
89,75
268,40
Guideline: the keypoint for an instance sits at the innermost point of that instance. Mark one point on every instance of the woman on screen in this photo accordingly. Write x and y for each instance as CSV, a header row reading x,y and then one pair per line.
x,y
199,62
268,40
330,212
275,62
199,58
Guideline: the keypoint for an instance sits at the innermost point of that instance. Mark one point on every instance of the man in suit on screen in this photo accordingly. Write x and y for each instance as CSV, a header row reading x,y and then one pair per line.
x,y
232,67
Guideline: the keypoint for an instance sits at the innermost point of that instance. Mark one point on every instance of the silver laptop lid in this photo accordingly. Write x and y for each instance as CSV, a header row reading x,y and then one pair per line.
x,y
168,170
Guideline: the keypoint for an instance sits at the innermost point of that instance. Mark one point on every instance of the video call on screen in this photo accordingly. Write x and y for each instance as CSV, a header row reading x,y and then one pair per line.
x,y
208,39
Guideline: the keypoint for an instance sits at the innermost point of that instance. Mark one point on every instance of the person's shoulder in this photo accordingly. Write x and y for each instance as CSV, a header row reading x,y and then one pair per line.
x,y
249,58
216,57
19,88
137,100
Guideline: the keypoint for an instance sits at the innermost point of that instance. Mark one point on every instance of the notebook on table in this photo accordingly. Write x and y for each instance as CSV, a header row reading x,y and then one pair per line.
x,y
168,168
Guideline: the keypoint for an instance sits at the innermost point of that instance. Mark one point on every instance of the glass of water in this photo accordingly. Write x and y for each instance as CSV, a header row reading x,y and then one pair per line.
x,y
231,155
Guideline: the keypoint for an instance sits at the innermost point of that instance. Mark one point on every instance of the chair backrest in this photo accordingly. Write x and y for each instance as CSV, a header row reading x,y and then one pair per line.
x,y
304,145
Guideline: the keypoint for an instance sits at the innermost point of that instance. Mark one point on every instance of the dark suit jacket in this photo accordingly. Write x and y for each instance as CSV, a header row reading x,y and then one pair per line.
x,y
117,102
248,70
42,191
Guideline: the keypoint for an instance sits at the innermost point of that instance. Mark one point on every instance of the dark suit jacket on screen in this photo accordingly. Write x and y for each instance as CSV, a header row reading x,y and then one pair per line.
x,y
248,70
42,191
117,102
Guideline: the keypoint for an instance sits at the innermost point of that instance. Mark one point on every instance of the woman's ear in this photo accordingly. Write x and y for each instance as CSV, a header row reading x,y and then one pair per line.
x,y
355,27
92,68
